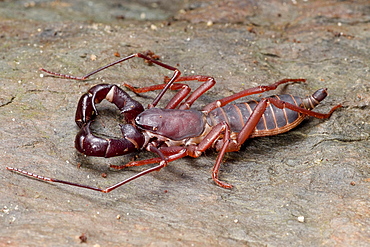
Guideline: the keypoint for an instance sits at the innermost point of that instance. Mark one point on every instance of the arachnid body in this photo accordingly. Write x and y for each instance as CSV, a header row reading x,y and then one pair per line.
x,y
176,130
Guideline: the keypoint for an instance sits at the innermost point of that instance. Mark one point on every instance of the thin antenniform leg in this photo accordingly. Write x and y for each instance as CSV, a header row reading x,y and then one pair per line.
x,y
175,75
162,164
85,77
109,189
52,179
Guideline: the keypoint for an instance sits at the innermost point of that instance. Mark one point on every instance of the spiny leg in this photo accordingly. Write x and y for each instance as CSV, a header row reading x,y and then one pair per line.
x,y
250,125
139,90
174,86
208,83
259,110
234,145
207,142
250,91
217,165
176,152
282,104
175,101
194,151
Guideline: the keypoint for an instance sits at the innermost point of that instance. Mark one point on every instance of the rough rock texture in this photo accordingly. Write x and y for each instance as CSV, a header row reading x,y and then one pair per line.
x,y
307,187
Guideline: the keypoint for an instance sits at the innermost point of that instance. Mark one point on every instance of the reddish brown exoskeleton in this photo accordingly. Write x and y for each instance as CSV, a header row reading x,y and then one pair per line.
x,y
176,131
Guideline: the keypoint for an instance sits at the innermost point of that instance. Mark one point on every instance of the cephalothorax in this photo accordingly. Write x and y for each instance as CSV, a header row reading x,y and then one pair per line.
x,y
176,131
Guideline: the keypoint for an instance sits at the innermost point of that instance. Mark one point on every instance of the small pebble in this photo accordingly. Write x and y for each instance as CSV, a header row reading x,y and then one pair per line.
x,y
300,218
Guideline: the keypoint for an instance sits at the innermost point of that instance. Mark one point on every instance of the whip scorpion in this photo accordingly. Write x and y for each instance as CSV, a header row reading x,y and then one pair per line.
x,y
176,130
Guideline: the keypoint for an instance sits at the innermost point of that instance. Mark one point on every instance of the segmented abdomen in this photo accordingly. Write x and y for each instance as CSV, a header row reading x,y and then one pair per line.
x,y
273,121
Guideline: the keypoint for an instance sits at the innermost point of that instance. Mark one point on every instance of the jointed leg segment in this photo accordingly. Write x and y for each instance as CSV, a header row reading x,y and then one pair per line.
x,y
250,91
208,83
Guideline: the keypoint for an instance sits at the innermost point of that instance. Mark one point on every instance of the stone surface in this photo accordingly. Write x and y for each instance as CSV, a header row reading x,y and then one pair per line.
x,y
307,187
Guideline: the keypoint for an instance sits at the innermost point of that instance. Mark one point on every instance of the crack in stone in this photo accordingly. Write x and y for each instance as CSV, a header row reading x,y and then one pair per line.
x,y
359,139
8,102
